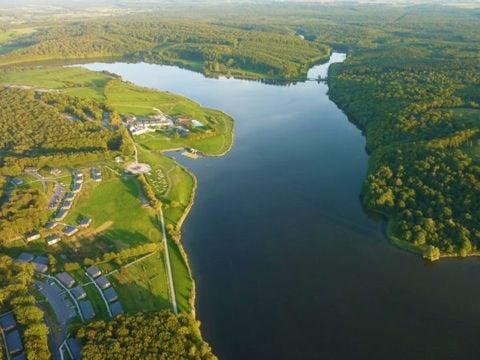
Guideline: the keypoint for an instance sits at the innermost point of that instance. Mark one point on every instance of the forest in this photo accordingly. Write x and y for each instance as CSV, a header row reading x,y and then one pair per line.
x,y
15,280
211,48
158,335
35,127
419,108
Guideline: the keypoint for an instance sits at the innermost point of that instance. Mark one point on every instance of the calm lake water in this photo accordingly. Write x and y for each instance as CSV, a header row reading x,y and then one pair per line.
x,y
287,263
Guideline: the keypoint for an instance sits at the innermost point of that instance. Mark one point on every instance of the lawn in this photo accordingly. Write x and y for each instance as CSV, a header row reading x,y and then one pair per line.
x,y
115,208
182,279
175,202
143,286
179,192
11,34
215,144
76,81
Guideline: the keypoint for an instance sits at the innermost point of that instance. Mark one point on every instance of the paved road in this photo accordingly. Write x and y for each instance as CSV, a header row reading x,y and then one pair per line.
x,y
56,281
63,308
167,262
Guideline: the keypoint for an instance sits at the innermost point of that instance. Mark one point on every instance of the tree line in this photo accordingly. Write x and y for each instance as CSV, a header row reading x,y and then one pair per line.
x,y
154,335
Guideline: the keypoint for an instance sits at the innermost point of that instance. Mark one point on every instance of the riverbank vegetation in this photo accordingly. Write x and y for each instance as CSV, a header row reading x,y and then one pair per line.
x,y
156,335
418,103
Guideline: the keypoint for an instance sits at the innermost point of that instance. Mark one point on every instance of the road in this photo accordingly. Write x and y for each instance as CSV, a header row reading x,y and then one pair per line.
x,y
167,262
69,294
54,296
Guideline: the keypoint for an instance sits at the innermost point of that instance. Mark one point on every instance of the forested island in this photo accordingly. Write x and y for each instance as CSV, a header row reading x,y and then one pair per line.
x,y
411,82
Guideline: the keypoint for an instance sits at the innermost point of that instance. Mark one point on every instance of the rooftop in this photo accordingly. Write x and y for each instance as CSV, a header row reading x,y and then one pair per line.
x,y
78,292
25,257
41,260
86,309
116,308
61,214
85,221
14,342
41,268
32,235
50,225
65,279
110,294
8,322
103,282
70,230
94,271
53,239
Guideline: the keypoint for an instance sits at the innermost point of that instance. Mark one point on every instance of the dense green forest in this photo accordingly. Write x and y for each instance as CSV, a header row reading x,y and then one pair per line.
x,y
208,47
36,128
160,335
419,107
23,211
15,280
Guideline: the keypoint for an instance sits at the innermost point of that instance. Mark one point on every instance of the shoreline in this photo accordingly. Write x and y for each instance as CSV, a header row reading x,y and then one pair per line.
x,y
188,209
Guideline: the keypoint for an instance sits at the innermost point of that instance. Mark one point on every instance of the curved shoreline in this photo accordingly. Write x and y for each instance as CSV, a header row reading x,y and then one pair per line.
x,y
186,212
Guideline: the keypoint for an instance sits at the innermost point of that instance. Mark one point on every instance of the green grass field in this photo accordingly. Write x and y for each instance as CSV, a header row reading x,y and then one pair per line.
x,y
143,286
175,200
116,210
72,80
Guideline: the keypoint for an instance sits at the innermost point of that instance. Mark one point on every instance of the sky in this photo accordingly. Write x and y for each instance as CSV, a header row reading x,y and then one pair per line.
x,y
143,3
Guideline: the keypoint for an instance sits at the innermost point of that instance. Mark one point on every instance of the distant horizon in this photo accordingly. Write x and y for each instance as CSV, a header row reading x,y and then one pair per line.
x,y
206,2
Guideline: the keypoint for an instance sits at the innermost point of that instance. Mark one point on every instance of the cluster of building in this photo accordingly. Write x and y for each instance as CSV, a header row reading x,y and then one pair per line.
x,y
78,293
13,340
141,126
108,292
67,203
96,174
145,125
58,193
40,262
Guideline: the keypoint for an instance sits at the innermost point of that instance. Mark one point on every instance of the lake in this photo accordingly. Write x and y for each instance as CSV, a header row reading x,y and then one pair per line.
x,y
287,263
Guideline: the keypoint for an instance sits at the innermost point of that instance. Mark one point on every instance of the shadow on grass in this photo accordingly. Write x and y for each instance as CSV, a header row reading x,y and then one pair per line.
x,y
135,293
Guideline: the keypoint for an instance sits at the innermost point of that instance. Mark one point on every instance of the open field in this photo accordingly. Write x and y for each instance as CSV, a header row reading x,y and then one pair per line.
x,y
116,202
11,34
176,201
75,81
143,286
